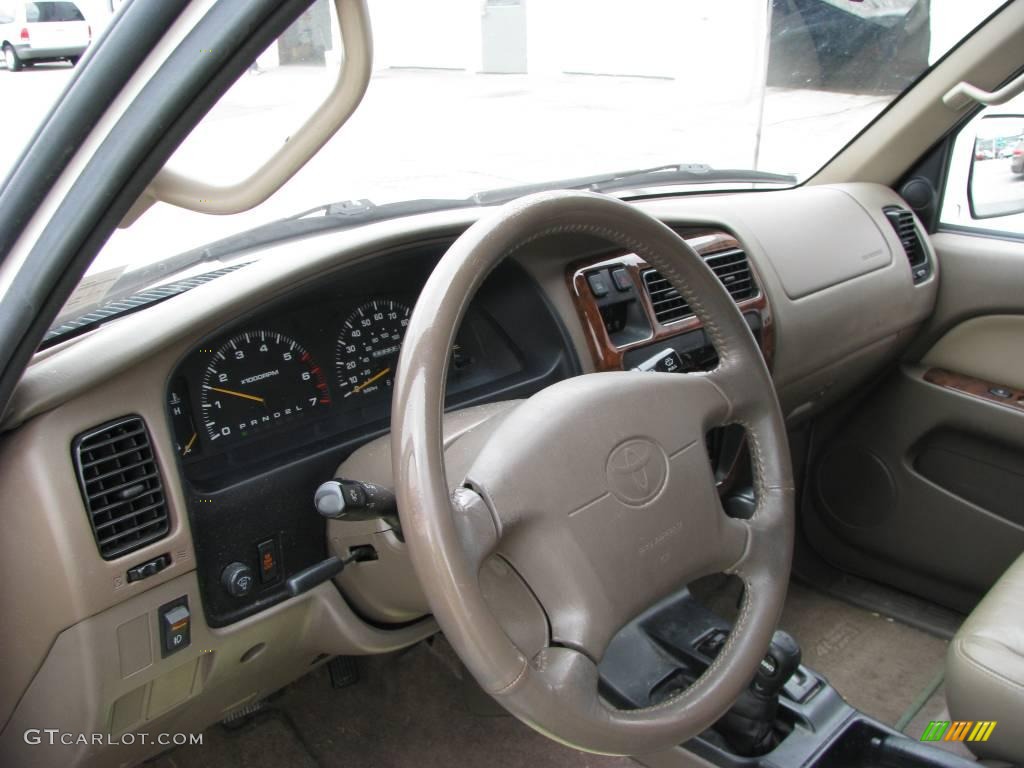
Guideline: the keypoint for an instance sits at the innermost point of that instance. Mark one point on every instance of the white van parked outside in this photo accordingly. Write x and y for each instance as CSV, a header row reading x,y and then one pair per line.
x,y
45,30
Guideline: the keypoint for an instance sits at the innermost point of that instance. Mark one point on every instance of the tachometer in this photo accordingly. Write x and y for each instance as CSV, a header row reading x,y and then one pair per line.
x,y
257,380
368,347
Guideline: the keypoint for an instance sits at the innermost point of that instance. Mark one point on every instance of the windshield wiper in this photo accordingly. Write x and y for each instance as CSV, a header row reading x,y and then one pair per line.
x,y
355,213
657,176
129,292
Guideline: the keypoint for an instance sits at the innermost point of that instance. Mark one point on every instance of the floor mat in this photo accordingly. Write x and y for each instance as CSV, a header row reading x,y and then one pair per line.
x,y
267,741
415,708
879,665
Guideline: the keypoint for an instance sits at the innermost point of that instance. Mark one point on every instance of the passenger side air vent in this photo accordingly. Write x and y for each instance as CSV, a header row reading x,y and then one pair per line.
x,y
120,486
730,266
902,221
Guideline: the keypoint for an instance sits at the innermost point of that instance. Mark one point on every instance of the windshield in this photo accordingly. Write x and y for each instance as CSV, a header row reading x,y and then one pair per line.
x,y
470,96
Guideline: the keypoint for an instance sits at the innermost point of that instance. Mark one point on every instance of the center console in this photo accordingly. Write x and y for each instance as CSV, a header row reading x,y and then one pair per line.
x,y
807,724
629,310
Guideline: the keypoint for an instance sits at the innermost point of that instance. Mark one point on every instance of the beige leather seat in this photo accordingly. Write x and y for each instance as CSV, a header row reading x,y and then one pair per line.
x,y
985,668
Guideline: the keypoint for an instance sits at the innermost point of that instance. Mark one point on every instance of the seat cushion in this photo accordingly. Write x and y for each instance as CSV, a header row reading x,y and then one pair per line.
x,y
985,668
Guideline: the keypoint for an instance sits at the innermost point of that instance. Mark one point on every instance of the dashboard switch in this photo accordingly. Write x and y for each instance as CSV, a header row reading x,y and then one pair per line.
x,y
238,579
148,568
599,284
621,279
175,626
269,570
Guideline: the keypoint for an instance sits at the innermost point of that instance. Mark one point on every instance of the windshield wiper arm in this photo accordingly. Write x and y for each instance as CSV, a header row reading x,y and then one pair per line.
x,y
352,213
678,173
691,173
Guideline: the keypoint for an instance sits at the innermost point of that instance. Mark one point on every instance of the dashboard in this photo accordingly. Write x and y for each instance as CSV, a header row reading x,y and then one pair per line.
x,y
264,409
244,394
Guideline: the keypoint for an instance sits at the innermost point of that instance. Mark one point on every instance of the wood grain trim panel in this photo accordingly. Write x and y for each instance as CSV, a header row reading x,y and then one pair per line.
x,y
978,388
607,356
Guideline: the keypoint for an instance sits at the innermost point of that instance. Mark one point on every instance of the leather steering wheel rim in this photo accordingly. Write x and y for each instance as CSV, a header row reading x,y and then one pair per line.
x,y
449,533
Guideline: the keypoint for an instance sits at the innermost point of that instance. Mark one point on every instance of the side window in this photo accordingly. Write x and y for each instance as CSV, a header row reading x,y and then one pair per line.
x,y
31,13
985,180
59,11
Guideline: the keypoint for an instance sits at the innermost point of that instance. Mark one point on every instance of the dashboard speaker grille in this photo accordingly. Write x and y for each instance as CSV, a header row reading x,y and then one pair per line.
x,y
121,486
730,266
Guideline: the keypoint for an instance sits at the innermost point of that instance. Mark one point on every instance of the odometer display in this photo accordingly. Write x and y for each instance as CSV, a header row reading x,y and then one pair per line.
x,y
367,350
257,380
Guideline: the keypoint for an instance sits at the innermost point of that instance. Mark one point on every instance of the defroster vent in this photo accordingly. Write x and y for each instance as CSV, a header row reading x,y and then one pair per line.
x,y
121,486
730,266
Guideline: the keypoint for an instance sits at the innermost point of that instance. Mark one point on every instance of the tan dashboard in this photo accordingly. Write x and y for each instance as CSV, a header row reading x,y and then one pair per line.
x,y
832,298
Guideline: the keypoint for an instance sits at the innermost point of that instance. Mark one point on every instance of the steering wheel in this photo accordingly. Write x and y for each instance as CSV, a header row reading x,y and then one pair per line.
x,y
597,491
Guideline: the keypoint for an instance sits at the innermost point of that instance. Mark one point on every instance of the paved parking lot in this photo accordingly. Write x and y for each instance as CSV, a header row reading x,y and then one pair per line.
x,y
442,133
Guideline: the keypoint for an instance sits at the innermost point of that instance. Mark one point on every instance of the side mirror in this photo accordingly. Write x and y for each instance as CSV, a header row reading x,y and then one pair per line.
x,y
996,185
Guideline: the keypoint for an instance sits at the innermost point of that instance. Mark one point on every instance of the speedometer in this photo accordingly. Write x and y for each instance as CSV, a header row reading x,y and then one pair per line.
x,y
367,349
257,380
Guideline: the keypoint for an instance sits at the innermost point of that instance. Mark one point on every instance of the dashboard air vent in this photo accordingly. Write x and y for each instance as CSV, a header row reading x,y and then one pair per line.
x,y
120,486
902,221
732,269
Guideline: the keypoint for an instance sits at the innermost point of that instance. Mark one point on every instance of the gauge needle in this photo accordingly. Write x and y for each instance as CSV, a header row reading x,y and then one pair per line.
x,y
369,381
188,446
237,394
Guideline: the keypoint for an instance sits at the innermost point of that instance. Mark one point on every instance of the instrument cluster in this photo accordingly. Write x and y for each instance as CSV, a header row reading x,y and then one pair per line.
x,y
260,378
315,369
266,378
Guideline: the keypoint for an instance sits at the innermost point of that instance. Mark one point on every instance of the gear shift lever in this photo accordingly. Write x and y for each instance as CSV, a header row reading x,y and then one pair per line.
x,y
777,666
749,726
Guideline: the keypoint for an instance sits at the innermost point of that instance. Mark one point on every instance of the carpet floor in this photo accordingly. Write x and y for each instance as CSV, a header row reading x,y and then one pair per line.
x,y
878,664
414,708
420,708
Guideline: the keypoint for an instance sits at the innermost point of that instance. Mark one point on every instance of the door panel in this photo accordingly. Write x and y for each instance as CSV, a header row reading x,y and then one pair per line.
x,y
988,348
922,487
979,276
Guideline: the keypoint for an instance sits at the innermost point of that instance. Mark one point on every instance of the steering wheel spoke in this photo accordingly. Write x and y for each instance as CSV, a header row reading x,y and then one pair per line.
x,y
741,392
475,527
